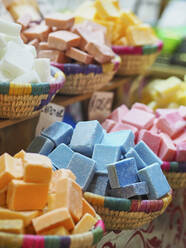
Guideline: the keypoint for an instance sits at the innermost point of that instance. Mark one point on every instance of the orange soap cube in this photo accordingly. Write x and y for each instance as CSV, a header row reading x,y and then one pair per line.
x,y
85,224
59,231
39,32
56,175
26,196
88,209
20,154
62,40
34,43
59,20
79,55
69,195
53,55
8,170
24,38
2,199
101,53
52,219
51,201
44,46
37,168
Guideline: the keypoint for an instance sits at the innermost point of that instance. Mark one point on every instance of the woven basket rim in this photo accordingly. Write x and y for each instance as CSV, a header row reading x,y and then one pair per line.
x,y
169,167
138,50
99,229
123,201
55,72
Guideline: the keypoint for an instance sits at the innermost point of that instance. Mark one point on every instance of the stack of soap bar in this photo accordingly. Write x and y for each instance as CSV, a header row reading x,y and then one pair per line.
x,y
156,181
42,145
86,135
61,156
58,132
99,184
105,154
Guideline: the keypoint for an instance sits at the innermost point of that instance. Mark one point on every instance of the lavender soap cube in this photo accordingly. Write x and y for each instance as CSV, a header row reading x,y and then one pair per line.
x,y
86,135
58,132
156,181
41,145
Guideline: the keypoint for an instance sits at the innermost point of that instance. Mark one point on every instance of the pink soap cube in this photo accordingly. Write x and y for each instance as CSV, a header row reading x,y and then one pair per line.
x,y
182,111
180,138
108,124
142,106
167,150
171,124
161,112
181,152
122,126
139,119
151,139
154,128
118,113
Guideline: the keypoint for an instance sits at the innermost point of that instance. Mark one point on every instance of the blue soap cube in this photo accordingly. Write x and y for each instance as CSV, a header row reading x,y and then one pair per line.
x,y
99,184
83,168
105,154
61,156
146,154
156,181
41,145
122,173
135,189
133,154
124,139
58,132
86,135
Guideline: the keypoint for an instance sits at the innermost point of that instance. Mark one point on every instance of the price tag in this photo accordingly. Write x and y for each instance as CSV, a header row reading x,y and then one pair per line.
x,y
50,114
100,105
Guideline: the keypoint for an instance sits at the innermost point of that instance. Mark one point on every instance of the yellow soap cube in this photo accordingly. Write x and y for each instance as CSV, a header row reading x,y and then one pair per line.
x,y
121,42
107,9
85,224
59,231
85,11
129,19
12,226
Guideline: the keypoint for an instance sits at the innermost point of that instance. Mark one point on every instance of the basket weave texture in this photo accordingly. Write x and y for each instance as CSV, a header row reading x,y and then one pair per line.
x,y
175,173
120,214
137,60
82,79
85,240
26,100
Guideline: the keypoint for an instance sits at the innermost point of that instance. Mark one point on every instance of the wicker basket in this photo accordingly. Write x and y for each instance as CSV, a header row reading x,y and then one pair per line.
x,y
120,214
137,60
82,79
175,173
26,100
85,240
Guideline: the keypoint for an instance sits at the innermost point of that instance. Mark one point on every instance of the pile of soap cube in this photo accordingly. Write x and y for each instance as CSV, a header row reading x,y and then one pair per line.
x,y
103,163
18,62
164,130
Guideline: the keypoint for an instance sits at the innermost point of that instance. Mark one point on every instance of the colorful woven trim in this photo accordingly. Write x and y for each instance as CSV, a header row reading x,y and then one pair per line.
x,y
174,167
138,50
36,241
127,205
34,89
71,69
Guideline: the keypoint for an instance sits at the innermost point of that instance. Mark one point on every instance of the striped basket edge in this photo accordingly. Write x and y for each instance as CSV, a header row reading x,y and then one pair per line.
x,y
88,239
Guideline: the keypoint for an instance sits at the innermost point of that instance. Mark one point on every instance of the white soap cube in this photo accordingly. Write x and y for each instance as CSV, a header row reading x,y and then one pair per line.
x,y
42,67
17,60
31,49
27,77
10,28
4,78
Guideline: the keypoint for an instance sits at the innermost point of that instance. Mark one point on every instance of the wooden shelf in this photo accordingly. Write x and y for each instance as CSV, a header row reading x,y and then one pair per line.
x,y
68,100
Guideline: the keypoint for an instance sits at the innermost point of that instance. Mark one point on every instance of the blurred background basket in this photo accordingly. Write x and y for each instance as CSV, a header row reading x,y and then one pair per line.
x,y
88,239
175,173
137,60
26,100
120,214
82,79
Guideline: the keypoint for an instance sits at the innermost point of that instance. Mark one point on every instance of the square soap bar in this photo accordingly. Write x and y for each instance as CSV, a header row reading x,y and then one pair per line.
x,y
139,162
123,139
181,152
99,184
41,145
118,113
167,150
108,124
58,132
146,154
105,154
86,135
131,190
156,181
61,156
122,173
83,168
123,126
